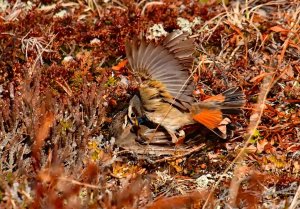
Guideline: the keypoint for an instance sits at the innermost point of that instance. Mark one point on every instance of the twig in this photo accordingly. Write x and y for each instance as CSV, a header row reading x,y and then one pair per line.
x,y
79,183
150,4
296,200
65,87
196,149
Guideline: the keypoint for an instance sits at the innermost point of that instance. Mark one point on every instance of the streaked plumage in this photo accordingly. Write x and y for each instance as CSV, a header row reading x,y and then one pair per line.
x,y
165,91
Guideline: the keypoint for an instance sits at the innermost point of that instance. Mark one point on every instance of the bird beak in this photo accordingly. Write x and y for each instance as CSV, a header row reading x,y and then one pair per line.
x,y
136,122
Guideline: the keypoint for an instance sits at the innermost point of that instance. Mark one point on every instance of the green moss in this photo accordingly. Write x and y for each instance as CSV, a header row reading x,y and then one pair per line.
x,y
65,125
256,135
112,81
108,22
9,178
77,80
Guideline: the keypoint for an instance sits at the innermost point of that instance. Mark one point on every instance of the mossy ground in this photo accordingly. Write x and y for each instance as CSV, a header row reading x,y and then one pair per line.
x,y
60,87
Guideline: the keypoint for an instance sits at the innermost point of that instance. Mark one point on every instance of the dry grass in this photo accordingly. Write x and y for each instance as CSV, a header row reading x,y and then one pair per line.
x,y
59,90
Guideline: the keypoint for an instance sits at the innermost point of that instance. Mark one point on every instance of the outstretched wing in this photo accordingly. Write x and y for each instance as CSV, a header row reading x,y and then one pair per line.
x,y
166,63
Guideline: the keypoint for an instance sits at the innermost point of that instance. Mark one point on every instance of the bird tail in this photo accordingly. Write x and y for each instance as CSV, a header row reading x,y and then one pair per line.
x,y
213,110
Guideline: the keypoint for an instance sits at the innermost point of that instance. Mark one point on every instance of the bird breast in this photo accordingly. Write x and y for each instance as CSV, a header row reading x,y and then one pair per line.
x,y
159,111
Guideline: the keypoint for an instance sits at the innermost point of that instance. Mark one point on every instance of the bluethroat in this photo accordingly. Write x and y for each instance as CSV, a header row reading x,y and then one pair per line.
x,y
165,91
126,136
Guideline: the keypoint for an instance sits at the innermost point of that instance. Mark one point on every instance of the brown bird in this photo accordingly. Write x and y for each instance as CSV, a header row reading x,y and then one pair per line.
x,y
165,90
126,135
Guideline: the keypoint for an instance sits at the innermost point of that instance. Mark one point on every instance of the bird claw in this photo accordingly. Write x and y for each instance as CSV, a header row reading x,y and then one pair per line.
x,y
175,139
180,140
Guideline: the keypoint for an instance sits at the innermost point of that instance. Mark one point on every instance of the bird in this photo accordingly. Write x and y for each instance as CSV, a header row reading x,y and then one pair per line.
x,y
165,89
125,134
119,127
159,141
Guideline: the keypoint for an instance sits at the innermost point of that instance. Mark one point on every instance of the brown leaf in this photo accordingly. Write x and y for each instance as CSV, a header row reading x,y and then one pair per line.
x,y
131,193
42,133
259,77
250,194
261,145
278,28
120,65
192,200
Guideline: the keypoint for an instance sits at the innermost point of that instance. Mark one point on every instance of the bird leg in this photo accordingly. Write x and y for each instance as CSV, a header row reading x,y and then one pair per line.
x,y
181,137
175,139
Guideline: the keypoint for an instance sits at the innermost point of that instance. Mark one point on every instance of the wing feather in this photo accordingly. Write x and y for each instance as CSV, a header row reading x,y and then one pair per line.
x,y
167,63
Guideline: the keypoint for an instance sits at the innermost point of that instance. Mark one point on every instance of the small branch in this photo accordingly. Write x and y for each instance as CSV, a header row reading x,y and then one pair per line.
x,y
296,200
196,149
150,4
79,183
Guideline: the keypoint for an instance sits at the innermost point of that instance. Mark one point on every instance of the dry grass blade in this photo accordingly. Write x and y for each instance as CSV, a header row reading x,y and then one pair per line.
x,y
149,4
65,87
60,154
296,200
191,151
37,44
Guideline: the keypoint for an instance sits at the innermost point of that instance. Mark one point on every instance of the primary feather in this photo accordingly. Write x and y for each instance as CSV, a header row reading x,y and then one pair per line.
x,y
167,63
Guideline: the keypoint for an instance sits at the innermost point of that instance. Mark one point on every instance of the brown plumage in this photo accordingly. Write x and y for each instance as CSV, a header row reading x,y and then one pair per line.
x,y
165,91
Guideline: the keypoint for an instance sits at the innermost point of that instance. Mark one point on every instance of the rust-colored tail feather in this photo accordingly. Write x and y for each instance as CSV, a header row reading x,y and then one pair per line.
x,y
211,111
210,118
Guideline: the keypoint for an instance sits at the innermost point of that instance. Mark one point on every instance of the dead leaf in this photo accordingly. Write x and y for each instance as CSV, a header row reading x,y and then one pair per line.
x,y
120,65
288,72
282,53
259,77
278,28
261,145
176,166
192,200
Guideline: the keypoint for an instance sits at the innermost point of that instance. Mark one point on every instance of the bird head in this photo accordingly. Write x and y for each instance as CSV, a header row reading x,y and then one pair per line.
x,y
135,111
120,124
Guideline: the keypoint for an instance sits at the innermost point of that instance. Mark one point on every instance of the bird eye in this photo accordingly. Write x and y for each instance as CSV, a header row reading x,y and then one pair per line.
x,y
132,115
